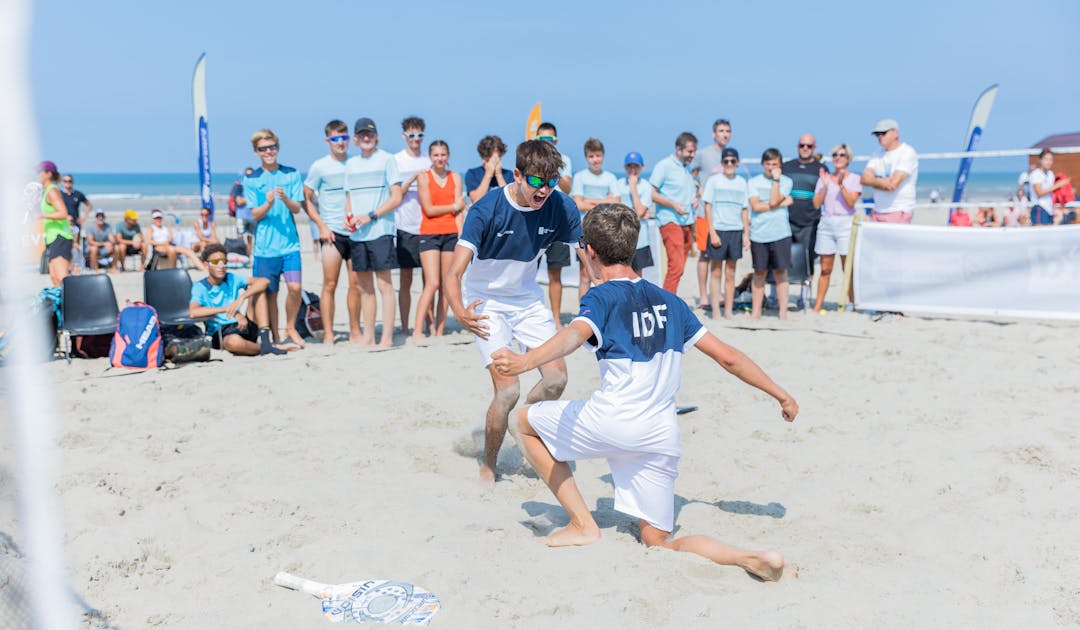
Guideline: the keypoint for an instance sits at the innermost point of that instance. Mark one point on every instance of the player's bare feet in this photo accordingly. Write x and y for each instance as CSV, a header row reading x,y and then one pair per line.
x,y
293,335
328,339
387,343
572,535
767,565
487,477
361,340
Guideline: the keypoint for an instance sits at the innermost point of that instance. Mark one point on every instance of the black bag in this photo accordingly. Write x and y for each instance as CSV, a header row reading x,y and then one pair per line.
x,y
236,246
185,343
309,321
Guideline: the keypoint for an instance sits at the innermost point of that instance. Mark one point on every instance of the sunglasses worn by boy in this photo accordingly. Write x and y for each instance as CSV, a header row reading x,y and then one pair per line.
x,y
546,138
338,139
535,181
269,147
216,262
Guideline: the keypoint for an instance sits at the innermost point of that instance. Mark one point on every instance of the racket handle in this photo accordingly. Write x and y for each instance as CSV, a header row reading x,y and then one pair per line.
x,y
297,583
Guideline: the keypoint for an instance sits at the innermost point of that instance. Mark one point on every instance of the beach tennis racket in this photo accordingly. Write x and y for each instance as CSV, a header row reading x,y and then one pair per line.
x,y
681,409
381,601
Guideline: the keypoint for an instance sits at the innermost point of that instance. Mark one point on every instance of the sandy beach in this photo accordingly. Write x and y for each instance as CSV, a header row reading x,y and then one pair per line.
x,y
929,481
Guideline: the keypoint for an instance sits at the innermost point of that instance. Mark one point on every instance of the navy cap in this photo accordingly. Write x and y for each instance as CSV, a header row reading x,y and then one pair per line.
x,y
634,157
726,153
364,124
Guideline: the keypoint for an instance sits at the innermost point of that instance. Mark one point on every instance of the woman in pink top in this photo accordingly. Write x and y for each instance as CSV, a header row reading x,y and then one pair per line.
x,y
838,192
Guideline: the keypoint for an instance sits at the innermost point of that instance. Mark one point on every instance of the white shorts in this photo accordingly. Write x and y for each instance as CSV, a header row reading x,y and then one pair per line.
x,y
529,326
833,236
644,482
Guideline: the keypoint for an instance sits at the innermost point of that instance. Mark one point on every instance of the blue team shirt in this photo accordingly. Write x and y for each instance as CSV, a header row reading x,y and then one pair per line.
x,y
772,225
726,198
507,241
369,182
275,234
673,180
475,176
205,294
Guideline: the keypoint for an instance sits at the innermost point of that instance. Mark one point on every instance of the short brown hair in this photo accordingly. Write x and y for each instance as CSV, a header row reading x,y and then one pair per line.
x,y
336,126
412,122
611,229
263,134
540,158
593,145
684,139
771,154
489,145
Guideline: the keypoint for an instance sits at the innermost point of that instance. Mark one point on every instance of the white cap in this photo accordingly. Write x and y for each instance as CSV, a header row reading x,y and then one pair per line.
x,y
156,213
884,125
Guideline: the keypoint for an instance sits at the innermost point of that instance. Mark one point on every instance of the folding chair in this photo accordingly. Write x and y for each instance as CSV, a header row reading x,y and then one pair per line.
x,y
89,308
799,273
169,292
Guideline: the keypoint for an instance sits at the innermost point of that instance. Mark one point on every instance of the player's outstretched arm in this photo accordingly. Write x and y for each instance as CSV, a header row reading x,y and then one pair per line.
x,y
737,363
570,338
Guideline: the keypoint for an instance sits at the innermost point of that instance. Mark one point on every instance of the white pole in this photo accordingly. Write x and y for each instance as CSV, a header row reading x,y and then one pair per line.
x,y
29,400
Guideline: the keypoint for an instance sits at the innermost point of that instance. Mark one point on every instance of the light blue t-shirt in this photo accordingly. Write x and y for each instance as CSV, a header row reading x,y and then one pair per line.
x,y
275,234
771,225
567,169
589,185
205,294
673,180
327,178
726,199
644,191
370,179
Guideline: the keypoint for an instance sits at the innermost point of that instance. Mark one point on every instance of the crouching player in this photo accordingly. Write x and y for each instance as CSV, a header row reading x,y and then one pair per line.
x,y
638,332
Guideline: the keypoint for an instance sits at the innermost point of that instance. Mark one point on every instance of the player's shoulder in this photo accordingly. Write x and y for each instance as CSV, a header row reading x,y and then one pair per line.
x,y
287,170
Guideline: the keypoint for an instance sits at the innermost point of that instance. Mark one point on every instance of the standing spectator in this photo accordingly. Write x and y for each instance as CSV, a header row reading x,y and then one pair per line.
x,y
205,230
442,201
892,172
100,240
557,256
770,231
491,173
835,194
1042,190
375,192
129,241
327,205
726,199
546,132
673,194
707,162
636,193
274,193
73,199
245,222
803,215
59,238
411,164
591,187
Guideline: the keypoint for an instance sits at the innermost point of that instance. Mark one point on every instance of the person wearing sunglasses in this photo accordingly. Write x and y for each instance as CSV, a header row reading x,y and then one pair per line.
x,y
892,172
275,193
836,194
221,296
327,207
498,300
411,164
804,217
726,199
674,193
73,199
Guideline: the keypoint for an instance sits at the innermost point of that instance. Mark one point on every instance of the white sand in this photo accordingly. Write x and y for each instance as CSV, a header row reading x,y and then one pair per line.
x,y
930,481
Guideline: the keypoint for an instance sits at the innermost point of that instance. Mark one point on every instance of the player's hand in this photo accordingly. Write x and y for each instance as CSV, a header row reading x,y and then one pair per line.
x,y
326,235
631,181
232,310
271,195
789,409
360,219
508,363
746,243
471,320
679,209
714,238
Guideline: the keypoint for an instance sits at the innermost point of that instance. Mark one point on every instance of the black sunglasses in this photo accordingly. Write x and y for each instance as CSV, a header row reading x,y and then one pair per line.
x,y
269,147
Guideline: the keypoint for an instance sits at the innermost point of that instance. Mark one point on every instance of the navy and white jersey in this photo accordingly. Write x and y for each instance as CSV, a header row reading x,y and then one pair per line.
x,y
507,241
639,334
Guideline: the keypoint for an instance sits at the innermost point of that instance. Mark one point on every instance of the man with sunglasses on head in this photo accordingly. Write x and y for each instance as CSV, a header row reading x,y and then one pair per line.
x,y
327,207
804,171
498,299
275,193
410,162
892,172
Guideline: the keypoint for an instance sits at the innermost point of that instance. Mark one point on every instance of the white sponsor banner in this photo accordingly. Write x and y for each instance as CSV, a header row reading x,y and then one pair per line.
x,y
1014,272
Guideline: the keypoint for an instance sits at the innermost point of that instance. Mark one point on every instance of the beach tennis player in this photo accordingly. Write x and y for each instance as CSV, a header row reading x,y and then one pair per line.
x,y
491,285
639,333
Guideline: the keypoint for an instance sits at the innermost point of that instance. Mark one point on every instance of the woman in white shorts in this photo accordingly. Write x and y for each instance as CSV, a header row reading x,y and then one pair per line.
x,y
838,192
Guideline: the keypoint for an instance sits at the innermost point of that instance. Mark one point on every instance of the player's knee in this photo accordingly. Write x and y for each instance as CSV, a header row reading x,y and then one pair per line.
x,y
507,396
554,383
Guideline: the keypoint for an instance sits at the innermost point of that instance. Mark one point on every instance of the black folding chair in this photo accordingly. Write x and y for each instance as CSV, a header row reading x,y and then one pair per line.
x,y
800,272
89,308
169,292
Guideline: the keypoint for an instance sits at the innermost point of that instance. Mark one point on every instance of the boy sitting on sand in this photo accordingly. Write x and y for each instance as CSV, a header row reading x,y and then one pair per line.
x,y
638,332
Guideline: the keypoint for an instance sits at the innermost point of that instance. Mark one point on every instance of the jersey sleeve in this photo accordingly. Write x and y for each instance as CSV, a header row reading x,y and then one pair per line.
x,y
908,162
198,293
571,229
314,177
296,187
251,196
472,180
656,178
593,312
692,330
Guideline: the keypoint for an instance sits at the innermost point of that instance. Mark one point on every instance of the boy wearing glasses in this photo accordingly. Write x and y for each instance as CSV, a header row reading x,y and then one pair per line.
x,y
274,193
220,296
327,206
504,235
410,162
590,188
726,200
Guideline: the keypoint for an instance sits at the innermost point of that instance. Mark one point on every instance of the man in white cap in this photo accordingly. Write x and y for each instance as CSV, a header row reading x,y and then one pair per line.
x,y
893,173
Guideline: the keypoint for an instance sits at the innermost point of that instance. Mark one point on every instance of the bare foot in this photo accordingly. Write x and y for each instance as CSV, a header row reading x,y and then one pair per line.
x,y
417,340
362,340
487,477
767,565
572,536
328,339
387,343
293,335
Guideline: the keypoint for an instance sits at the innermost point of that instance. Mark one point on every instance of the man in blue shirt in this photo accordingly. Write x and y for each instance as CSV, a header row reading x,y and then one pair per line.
x,y
275,193
674,195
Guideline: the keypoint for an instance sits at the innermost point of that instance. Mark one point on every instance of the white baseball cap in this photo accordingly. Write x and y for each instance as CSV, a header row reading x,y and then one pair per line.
x,y
884,125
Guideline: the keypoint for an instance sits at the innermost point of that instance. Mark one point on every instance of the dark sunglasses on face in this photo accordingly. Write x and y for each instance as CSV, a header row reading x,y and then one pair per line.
x,y
338,139
880,133
216,262
535,181
269,147
68,181
803,145
839,154
730,161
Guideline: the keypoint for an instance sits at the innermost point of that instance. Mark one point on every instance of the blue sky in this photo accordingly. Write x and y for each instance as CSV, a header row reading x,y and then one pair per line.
x,y
112,80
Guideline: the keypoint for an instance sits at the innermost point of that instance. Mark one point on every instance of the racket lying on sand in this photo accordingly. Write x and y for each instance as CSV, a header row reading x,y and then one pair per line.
x,y
383,601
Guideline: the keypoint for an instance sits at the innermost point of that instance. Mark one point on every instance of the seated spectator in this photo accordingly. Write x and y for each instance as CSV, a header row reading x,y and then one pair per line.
x,y
99,239
1015,215
221,295
987,217
960,217
129,241
205,230
161,243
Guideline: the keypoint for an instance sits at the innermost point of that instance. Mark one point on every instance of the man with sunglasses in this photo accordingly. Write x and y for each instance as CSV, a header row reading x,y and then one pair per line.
x,y
504,235
410,162
327,207
804,171
674,190
892,172
73,199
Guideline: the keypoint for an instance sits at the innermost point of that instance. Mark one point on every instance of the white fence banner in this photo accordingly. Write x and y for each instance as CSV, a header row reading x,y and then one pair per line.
x,y
1013,272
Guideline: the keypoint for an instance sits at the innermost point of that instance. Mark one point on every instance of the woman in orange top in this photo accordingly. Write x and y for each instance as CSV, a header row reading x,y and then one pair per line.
x,y
441,200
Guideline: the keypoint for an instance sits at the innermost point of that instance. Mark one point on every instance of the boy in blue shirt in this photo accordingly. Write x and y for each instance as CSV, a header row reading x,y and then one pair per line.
x,y
590,187
728,228
636,193
274,193
770,232
638,332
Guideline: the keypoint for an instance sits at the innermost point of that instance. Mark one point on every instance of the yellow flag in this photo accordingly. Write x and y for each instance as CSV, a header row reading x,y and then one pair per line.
x,y
532,123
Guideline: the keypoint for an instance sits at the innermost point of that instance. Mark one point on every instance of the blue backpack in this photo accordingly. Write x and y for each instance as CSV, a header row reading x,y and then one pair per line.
x,y
137,342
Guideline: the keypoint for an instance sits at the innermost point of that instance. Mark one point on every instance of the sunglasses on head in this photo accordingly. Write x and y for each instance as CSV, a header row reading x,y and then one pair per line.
x,y
342,138
415,135
547,138
269,147
535,181
803,145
